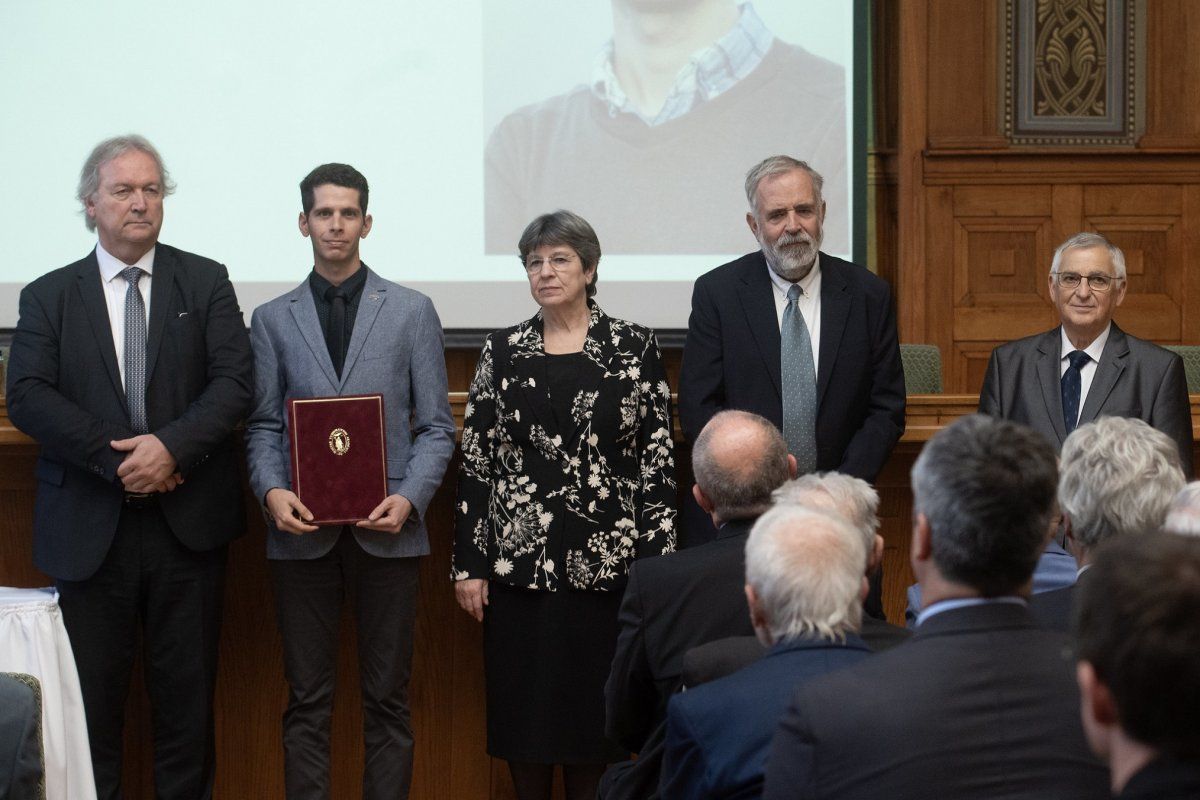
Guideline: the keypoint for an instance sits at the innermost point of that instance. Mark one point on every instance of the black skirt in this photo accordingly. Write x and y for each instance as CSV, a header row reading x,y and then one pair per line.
x,y
547,657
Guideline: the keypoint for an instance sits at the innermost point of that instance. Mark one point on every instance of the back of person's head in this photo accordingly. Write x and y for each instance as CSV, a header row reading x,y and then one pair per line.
x,y
738,460
1183,515
805,567
852,498
1137,628
1117,476
986,487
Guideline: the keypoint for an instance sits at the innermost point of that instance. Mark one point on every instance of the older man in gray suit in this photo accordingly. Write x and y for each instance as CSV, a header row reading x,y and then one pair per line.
x,y
1088,367
346,331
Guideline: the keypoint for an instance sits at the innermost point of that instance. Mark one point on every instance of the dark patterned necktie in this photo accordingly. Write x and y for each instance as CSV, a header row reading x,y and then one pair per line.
x,y
799,386
1072,387
335,334
135,350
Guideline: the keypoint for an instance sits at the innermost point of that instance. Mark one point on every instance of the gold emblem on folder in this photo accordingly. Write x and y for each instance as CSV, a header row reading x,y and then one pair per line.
x,y
339,441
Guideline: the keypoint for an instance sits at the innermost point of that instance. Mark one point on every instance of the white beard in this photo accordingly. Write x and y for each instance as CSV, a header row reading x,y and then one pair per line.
x,y
792,256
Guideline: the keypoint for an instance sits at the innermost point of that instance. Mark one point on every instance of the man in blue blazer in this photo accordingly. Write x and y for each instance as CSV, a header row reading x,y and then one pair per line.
x,y
804,587
131,368
346,331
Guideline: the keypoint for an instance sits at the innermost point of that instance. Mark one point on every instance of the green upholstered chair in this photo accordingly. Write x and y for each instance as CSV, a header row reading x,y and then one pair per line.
x,y
922,368
1191,363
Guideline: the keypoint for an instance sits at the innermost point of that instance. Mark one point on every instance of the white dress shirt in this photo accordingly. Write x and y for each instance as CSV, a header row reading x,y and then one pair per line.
x,y
1088,370
114,295
809,303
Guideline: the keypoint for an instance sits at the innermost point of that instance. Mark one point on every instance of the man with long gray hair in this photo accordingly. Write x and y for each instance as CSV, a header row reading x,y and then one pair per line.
x,y
980,703
804,587
1088,367
1117,477
131,368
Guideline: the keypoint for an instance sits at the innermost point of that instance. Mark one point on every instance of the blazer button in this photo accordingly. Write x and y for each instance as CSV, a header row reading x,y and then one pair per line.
x,y
96,468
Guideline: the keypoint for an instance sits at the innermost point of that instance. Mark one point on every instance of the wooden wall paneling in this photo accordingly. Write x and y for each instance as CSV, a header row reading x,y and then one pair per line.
x,y
1190,274
937,295
910,213
1172,108
963,75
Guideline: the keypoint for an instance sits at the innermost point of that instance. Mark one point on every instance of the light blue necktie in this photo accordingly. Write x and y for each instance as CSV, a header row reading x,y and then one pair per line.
x,y
799,386
135,350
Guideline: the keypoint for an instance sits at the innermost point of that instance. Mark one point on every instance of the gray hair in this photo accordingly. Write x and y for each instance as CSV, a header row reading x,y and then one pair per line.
x,y
986,487
806,567
1183,515
1117,476
778,165
738,460
1088,239
567,229
852,498
106,151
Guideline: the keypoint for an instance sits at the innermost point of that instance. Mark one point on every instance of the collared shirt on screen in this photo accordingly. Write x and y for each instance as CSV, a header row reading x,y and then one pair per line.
x,y
809,303
708,73
114,294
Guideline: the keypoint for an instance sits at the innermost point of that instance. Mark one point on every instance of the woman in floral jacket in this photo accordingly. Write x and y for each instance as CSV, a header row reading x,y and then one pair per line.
x,y
567,476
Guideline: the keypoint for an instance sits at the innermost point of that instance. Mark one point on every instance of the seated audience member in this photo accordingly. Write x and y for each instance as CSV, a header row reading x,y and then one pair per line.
x,y
1117,476
858,503
1183,515
21,772
673,603
980,703
804,586
1137,635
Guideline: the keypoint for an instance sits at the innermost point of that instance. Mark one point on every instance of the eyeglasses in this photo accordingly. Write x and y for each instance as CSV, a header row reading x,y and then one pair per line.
x,y
1097,283
558,263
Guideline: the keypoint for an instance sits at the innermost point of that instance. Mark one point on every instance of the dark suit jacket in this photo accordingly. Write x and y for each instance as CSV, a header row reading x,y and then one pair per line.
x,y
718,734
22,776
732,360
672,604
979,704
1164,779
65,391
714,660
1134,378
1052,609
550,508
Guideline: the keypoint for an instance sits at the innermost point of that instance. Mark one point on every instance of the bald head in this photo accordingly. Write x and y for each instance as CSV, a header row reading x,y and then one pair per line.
x,y
738,460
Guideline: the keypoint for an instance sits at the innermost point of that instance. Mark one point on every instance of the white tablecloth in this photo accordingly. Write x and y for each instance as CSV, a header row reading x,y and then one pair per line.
x,y
34,640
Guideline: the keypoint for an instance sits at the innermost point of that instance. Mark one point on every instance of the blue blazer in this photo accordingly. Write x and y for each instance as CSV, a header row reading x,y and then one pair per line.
x,y
718,734
395,350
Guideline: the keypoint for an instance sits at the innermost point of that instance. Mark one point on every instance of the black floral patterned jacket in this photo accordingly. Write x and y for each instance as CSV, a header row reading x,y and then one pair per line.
x,y
543,508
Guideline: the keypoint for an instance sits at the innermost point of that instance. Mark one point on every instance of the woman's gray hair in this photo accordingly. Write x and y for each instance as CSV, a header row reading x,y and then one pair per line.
x,y
568,229
806,568
106,151
1117,476
1183,516
845,495
1089,239
778,165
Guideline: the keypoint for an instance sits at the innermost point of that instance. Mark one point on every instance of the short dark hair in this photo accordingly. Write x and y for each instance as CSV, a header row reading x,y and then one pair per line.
x,y
1137,622
987,487
342,175
568,229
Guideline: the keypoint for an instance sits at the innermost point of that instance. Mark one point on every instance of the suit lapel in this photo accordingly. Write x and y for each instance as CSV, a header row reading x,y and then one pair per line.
x,y
1050,381
1108,372
758,303
304,312
91,293
835,310
526,362
162,290
369,303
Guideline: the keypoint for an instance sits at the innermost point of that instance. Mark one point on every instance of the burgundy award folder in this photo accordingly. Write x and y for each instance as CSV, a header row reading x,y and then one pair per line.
x,y
339,456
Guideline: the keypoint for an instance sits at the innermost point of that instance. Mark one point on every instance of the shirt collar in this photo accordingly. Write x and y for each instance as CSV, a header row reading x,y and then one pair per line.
x,y
111,266
810,283
351,286
1094,350
709,72
965,602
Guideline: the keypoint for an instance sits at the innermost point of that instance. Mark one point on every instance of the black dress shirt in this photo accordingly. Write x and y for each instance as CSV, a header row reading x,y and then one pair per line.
x,y
352,287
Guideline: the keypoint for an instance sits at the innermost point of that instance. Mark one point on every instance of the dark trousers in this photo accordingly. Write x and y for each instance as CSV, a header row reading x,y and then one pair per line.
x,y
175,594
383,594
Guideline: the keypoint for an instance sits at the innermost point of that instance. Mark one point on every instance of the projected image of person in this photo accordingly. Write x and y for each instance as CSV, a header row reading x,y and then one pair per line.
x,y
567,476
679,97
